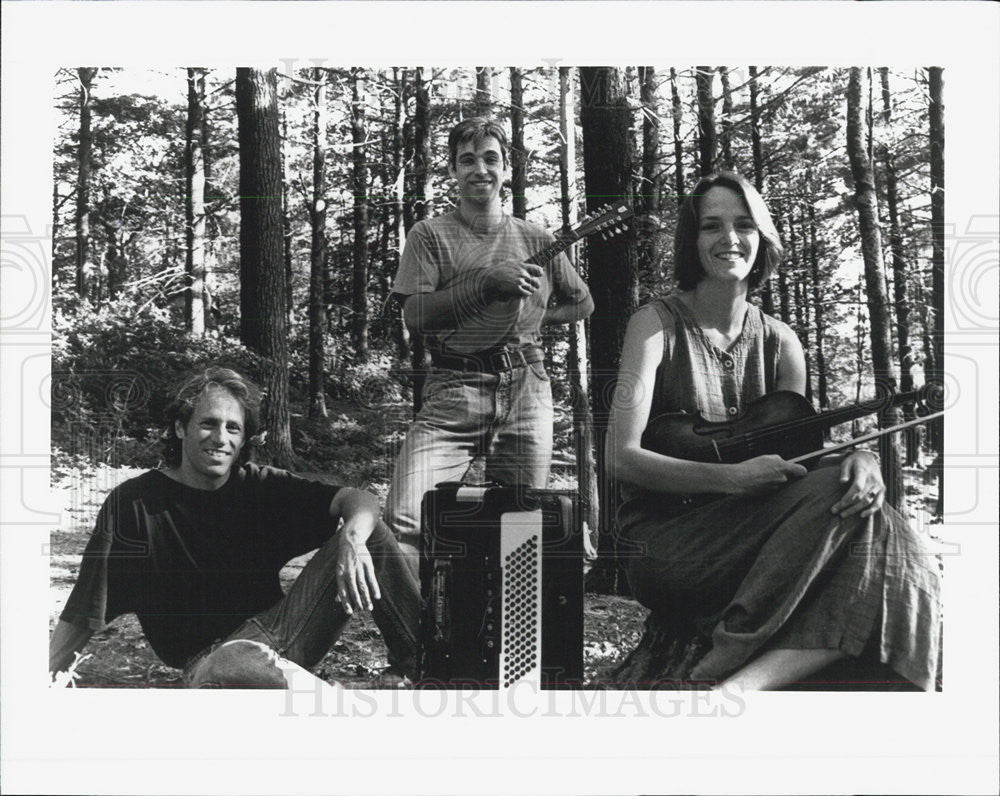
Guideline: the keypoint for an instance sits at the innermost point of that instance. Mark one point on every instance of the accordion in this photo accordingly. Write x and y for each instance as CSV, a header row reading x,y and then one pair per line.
x,y
501,580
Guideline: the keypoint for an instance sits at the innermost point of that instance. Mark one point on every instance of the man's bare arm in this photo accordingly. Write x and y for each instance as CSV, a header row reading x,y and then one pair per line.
x,y
569,312
67,639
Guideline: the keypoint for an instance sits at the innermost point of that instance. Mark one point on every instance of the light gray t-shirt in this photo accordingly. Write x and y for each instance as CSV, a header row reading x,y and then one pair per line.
x,y
443,251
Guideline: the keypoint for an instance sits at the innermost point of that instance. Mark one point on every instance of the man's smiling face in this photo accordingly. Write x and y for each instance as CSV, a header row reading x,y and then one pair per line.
x,y
212,439
479,170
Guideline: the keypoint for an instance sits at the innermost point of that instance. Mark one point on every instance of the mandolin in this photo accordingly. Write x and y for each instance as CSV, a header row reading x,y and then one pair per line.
x,y
607,221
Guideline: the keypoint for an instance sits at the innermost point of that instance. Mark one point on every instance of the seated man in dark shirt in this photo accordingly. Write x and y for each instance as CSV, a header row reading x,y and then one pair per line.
x,y
194,550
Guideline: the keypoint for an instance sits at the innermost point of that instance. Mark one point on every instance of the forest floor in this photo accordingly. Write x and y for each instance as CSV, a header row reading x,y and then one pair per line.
x,y
354,447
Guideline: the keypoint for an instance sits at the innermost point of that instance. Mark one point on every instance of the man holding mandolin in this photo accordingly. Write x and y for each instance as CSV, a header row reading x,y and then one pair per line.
x,y
781,571
476,283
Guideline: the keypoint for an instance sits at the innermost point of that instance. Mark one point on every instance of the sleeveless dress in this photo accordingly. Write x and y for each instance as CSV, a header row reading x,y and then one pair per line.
x,y
778,571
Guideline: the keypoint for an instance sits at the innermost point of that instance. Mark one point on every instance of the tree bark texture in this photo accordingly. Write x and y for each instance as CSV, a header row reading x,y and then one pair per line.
x,y
86,75
725,135
707,140
359,185
194,204
518,173
675,106
262,278
866,201
400,333
757,156
317,252
578,361
482,104
818,321
606,121
415,209
936,115
648,200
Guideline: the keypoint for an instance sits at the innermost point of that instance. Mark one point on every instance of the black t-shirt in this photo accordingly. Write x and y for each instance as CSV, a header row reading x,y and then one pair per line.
x,y
194,564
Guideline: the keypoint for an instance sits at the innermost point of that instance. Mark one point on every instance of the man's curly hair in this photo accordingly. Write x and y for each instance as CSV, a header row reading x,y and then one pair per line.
x,y
182,407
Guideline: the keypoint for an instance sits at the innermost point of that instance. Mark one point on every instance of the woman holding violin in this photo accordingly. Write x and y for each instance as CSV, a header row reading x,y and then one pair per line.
x,y
787,570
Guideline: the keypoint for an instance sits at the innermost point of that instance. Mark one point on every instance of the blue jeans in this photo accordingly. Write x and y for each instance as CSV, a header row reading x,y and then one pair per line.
x,y
506,417
305,623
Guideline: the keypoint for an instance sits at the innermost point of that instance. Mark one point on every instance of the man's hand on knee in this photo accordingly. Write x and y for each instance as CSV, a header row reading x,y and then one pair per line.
x,y
356,583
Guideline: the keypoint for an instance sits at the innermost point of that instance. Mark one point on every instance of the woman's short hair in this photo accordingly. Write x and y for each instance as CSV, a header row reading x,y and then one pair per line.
x,y
687,263
475,129
181,408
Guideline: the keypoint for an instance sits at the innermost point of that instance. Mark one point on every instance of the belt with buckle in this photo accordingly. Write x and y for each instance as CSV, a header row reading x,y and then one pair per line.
x,y
492,360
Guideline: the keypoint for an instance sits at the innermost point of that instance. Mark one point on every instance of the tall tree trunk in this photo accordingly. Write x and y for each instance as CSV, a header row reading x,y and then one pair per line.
x,y
936,114
583,419
483,102
648,200
400,334
518,175
317,252
56,259
859,353
194,204
862,173
86,75
899,269
757,153
606,121
801,316
416,209
286,220
359,298
802,322
675,105
783,307
817,295
262,283
210,195
725,136
707,143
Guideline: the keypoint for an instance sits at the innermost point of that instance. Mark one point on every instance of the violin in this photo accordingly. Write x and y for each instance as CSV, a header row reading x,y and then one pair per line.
x,y
782,423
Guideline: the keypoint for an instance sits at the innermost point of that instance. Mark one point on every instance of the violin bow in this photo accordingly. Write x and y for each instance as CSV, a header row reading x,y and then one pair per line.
x,y
874,435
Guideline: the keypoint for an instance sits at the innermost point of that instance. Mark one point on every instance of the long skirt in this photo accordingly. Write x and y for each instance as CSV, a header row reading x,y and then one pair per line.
x,y
783,572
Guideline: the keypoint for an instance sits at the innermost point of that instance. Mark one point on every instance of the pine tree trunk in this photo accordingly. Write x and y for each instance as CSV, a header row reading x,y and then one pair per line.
x,y
262,279
286,220
707,142
317,253
606,121
518,176
483,102
899,269
583,419
757,152
86,75
359,183
194,204
400,334
783,307
211,194
416,210
936,113
799,294
675,105
648,200
725,136
818,322
862,173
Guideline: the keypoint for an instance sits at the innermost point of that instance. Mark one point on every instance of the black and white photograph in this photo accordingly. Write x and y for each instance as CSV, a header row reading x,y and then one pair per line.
x,y
543,398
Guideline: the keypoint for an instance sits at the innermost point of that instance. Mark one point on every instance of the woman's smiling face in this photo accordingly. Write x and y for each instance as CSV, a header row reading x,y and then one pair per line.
x,y
728,239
